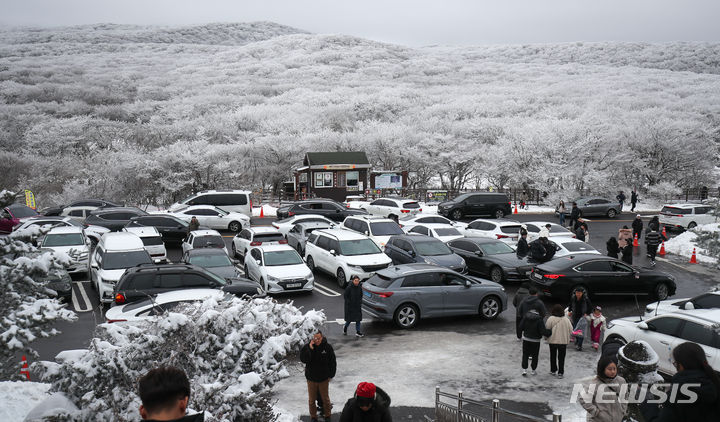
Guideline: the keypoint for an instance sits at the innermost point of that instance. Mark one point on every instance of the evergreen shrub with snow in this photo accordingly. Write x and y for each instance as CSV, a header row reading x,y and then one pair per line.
x,y
232,350
27,307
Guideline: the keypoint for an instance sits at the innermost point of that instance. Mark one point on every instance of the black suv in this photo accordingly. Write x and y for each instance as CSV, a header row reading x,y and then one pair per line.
x,y
147,279
172,229
325,207
476,204
113,218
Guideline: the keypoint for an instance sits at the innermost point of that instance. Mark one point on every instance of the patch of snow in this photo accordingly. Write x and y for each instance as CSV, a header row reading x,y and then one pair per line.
x,y
652,358
283,415
55,404
268,211
684,243
19,397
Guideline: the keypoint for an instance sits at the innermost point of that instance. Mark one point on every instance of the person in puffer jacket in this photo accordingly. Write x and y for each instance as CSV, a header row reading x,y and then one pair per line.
x,y
370,404
653,240
533,330
596,327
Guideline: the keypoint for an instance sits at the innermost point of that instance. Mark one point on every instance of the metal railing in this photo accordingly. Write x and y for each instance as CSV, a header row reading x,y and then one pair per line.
x,y
458,411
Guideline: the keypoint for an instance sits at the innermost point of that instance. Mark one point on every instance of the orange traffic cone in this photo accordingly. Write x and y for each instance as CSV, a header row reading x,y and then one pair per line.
x,y
693,258
262,214
515,212
635,241
25,368
664,234
662,249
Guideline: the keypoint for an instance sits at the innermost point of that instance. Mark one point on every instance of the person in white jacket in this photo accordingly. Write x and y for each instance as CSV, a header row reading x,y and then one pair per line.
x,y
561,328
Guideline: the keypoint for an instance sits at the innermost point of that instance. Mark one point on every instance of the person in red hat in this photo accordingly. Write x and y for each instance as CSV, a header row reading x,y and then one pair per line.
x,y
370,404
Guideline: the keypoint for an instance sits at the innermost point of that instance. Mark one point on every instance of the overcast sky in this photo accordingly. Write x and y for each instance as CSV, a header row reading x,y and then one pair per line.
x,y
408,22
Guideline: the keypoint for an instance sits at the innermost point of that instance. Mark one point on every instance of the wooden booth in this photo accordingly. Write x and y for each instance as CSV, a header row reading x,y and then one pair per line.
x,y
333,175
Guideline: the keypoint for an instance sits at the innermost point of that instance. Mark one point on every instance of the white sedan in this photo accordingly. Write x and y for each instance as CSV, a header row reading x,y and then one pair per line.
x,y
284,226
278,268
214,218
439,231
141,310
392,208
203,239
410,221
507,231
556,231
709,300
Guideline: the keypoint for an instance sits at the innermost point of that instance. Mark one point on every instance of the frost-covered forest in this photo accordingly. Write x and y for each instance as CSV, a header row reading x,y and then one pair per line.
x,y
147,114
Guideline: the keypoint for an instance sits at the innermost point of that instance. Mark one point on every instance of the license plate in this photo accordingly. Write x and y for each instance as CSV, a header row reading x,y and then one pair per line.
x,y
293,285
538,276
367,293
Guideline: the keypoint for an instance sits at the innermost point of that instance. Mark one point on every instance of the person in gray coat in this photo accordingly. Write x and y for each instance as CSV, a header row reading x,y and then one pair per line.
x,y
607,403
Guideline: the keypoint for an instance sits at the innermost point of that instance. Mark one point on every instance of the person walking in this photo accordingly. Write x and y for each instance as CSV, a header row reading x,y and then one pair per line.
x,y
522,246
369,404
637,227
533,330
607,404
582,233
654,223
533,302
692,368
652,241
353,305
561,213
320,367
621,200
575,215
561,329
613,247
578,308
596,325
523,292
194,224
633,200
624,235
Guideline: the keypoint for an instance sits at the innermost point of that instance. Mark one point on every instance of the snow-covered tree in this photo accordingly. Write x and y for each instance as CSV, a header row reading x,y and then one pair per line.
x,y
28,309
232,350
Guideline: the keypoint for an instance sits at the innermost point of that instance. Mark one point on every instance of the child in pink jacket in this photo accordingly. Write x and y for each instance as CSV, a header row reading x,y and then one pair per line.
x,y
596,326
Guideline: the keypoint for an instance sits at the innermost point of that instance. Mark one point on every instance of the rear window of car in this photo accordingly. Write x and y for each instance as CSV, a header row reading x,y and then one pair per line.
x,y
676,211
578,247
558,229
380,281
385,229
271,237
208,241
510,229
447,232
152,241
411,205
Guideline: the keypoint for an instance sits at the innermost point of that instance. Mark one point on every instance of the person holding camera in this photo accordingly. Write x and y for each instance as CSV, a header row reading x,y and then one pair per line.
x,y
320,367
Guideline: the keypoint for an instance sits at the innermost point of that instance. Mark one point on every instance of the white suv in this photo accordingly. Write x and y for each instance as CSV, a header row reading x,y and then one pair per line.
x,y
227,200
664,332
686,216
392,207
344,254
278,268
70,240
115,253
152,240
378,229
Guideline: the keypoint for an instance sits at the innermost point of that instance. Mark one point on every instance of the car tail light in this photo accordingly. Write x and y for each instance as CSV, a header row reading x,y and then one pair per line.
x,y
553,276
116,320
119,298
401,226
290,213
275,225
250,205
255,243
383,295
502,236
404,211
419,209
282,242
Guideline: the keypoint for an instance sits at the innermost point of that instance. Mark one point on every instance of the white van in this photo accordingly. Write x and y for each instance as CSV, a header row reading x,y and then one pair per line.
x,y
152,240
115,253
686,216
227,200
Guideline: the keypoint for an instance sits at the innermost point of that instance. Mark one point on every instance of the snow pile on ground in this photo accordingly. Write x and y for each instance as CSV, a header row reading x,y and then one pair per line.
x,y
232,350
19,397
684,243
267,209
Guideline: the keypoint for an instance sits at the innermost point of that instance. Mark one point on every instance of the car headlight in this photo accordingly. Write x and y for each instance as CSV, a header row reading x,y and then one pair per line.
x,y
427,261
355,267
273,279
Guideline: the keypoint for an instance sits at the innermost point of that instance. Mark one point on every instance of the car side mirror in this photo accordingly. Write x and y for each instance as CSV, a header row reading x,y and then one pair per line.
x,y
257,261
468,283
94,265
366,233
332,252
213,284
413,254
689,306
479,253
643,325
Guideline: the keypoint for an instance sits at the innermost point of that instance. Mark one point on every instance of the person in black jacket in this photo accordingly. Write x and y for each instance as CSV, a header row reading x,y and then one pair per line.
x,y
613,247
369,404
523,292
581,233
353,305
637,226
579,307
532,302
653,240
621,199
633,200
164,393
320,366
575,215
654,223
627,253
693,368
522,246
550,248
533,329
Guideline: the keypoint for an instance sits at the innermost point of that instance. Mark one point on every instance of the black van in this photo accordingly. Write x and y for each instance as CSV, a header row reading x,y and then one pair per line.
x,y
476,205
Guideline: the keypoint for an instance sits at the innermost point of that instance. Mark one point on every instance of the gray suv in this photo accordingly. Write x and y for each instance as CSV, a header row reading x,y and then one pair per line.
x,y
411,248
406,293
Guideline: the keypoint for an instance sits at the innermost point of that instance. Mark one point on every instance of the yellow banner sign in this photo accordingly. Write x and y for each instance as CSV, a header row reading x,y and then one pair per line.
x,y
30,199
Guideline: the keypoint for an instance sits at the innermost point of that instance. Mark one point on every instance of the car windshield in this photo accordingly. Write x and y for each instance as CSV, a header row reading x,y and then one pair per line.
x,y
411,205
211,261
358,247
495,248
432,248
447,232
152,241
22,212
208,242
578,247
277,258
510,229
121,260
385,228
462,197
555,228
65,239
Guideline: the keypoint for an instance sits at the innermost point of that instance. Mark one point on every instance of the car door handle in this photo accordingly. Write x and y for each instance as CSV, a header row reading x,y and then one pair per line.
x,y
664,342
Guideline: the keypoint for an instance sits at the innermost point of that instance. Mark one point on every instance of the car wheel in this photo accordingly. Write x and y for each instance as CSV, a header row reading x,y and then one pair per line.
x,y
234,251
662,291
692,225
457,214
311,263
406,316
341,280
235,226
611,213
499,213
496,274
490,307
